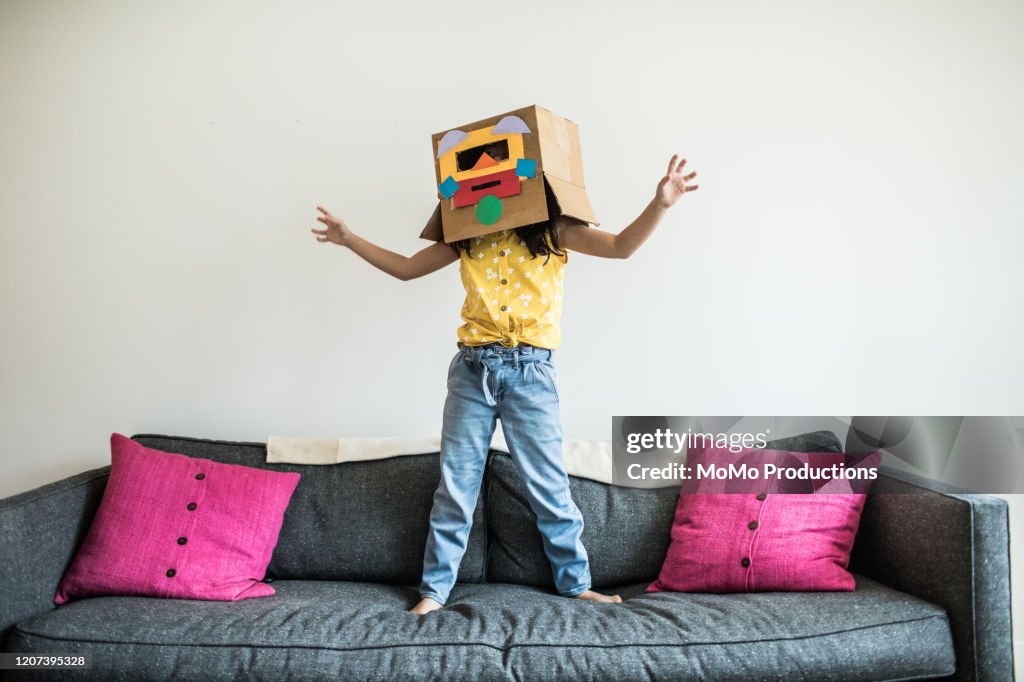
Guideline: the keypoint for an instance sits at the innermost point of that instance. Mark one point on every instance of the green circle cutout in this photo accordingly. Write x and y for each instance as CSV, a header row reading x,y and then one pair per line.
x,y
488,209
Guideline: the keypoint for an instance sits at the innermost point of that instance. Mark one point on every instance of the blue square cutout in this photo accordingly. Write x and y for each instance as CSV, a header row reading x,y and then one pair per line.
x,y
526,168
448,187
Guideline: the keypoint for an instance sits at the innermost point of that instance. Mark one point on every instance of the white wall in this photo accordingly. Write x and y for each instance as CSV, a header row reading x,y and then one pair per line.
x,y
855,246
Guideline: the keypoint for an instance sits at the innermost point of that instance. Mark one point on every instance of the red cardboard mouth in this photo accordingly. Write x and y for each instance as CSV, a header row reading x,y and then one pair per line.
x,y
501,185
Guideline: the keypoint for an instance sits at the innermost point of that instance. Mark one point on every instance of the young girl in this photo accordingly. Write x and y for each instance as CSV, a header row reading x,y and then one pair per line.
x,y
503,369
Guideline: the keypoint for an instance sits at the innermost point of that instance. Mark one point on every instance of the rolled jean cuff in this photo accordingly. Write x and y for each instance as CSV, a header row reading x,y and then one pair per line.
x,y
434,596
573,592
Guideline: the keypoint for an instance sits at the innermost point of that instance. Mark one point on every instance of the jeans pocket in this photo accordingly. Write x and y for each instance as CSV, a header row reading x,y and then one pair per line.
x,y
550,378
451,365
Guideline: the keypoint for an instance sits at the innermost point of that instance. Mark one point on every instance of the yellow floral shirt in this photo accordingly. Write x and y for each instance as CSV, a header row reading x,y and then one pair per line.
x,y
511,297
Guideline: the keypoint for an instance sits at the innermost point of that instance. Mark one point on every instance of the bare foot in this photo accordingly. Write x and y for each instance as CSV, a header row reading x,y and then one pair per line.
x,y
425,606
597,596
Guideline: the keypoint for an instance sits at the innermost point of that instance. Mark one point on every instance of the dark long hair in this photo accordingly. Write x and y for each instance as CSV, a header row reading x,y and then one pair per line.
x,y
541,238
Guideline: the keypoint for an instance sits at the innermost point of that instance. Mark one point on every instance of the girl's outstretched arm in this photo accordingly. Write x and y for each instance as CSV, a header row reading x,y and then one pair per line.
x,y
595,242
423,262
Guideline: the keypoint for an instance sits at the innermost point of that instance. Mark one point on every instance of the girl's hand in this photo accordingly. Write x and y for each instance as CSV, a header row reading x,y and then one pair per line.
x,y
673,185
337,231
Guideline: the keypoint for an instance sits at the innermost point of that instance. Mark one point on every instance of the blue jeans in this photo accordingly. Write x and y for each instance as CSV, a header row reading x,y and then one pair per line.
x,y
519,386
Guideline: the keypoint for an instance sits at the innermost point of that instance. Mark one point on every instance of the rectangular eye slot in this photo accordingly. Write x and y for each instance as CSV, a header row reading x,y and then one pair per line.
x,y
485,185
467,158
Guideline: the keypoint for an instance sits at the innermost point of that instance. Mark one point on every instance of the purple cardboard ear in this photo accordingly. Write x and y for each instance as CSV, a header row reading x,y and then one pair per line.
x,y
510,124
450,139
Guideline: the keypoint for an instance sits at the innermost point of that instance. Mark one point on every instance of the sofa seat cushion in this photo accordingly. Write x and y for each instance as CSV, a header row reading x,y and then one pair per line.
x,y
347,630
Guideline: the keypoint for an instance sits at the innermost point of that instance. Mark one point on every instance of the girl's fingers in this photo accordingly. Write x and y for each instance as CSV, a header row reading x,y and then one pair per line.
x,y
680,166
672,162
323,210
691,176
691,188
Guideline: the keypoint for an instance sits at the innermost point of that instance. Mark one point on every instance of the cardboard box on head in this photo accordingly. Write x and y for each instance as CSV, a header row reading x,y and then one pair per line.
x,y
497,174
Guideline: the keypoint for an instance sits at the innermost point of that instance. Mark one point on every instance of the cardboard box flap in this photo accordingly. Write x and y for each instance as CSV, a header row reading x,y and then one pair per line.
x,y
560,146
434,230
572,199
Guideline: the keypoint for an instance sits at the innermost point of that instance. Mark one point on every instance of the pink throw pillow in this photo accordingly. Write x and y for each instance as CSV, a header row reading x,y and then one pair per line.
x,y
176,526
758,539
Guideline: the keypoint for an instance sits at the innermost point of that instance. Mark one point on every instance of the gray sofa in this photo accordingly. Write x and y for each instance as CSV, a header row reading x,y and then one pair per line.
x,y
932,598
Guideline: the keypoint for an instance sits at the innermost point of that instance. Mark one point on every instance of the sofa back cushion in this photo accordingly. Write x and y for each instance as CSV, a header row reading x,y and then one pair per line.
x,y
626,531
359,521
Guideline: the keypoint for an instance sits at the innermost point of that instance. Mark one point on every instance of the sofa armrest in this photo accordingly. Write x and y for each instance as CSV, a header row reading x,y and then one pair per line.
x,y
40,531
949,547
